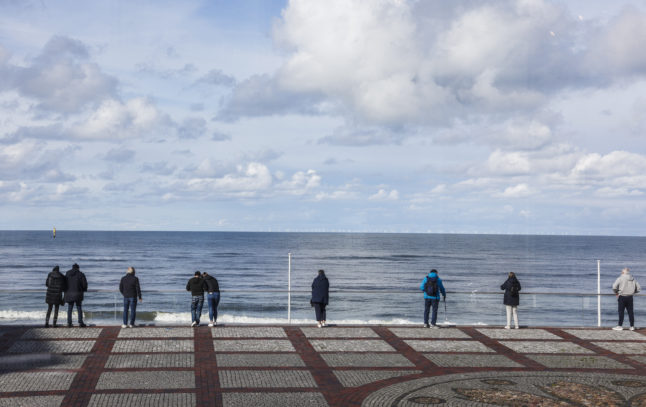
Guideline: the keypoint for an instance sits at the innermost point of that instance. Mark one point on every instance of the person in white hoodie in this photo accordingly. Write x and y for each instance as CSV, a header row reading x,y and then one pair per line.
x,y
625,287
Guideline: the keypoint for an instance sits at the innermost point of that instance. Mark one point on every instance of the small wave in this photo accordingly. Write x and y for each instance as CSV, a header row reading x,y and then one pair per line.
x,y
106,259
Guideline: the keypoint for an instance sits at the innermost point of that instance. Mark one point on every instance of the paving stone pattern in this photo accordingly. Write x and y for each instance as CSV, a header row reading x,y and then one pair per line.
x,y
334,366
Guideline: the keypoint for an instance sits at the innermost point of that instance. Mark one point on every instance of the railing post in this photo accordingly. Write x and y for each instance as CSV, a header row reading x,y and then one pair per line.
x,y
289,288
598,293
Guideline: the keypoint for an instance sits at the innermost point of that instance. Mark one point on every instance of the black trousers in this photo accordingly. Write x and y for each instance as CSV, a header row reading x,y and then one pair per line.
x,y
626,302
319,309
49,311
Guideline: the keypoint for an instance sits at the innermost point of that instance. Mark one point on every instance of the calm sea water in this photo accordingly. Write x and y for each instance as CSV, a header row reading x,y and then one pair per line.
x,y
375,277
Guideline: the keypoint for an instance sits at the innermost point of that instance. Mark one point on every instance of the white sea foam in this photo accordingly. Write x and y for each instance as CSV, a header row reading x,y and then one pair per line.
x,y
183,317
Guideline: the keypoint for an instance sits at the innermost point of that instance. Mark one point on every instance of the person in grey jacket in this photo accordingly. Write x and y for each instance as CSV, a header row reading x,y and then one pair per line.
x,y
625,286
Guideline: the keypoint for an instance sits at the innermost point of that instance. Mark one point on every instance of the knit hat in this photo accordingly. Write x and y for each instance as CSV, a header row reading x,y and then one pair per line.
x,y
55,268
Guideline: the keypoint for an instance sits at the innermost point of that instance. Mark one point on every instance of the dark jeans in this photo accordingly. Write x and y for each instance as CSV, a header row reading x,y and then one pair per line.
x,y
132,304
79,310
319,310
428,303
197,301
49,312
213,299
626,302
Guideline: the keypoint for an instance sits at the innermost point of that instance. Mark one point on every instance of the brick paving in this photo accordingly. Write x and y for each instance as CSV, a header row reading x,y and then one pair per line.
x,y
334,366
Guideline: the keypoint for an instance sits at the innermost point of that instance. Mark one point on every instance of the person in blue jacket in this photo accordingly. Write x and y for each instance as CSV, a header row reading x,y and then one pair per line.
x,y
432,287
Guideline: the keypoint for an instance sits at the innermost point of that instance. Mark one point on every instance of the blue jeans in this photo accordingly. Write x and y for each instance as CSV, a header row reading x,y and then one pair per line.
x,y
132,304
213,299
197,301
79,310
428,303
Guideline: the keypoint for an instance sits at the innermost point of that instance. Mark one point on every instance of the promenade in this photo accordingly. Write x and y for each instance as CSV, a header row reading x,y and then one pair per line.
x,y
334,366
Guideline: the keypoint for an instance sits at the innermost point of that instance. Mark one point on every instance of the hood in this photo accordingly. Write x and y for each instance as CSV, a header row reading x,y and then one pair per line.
x,y
627,277
431,275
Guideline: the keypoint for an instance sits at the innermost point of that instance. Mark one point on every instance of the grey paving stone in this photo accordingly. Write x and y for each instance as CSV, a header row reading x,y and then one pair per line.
x,y
253,345
545,347
366,360
248,332
146,380
62,333
445,360
339,332
606,334
57,346
32,401
356,378
259,360
155,360
350,345
639,359
635,348
153,345
578,362
274,399
20,362
35,381
500,387
447,346
158,332
266,378
429,333
143,400
500,333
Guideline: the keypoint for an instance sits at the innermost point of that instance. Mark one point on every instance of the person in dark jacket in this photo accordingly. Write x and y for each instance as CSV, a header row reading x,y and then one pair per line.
x,y
512,298
54,298
320,297
212,297
76,286
129,288
432,302
196,286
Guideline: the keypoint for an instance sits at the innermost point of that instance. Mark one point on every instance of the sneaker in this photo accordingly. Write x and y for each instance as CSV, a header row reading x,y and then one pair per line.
x,y
70,325
434,327
194,323
211,324
124,326
632,328
507,327
215,323
517,327
618,328
319,325
82,325
130,326
427,326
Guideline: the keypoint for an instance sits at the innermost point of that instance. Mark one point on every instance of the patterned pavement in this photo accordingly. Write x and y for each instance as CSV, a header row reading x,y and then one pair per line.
x,y
334,366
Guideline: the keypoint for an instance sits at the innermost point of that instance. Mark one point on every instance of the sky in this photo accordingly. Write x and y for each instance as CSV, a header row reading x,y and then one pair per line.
x,y
468,116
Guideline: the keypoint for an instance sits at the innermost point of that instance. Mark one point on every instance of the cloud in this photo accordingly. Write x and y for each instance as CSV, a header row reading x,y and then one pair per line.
x,y
61,79
383,195
119,155
192,128
162,168
517,191
216,77
301,182
33,161
508,163
358,137
247,181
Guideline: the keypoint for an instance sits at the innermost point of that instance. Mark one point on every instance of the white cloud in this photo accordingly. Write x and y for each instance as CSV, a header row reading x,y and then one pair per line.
x,y
383,195
517,191
508,163
614,164
301,182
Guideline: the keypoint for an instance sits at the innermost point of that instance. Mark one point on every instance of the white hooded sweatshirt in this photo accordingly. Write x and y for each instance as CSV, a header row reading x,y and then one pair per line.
x,y
626,285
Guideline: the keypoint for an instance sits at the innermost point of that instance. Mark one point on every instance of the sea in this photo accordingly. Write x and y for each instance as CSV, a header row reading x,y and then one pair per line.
x,y
266,278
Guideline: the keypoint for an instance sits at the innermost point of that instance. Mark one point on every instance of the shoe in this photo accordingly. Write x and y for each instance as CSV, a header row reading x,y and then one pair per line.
x,y
507,327
517,327
130,326
46,324
318,324
434,327
215,323
323,324
124,326
427,326
211,324
194,323
618,328
632,328
55,325
82,325
70,326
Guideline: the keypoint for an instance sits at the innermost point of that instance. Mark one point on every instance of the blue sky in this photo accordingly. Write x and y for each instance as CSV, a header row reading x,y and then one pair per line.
x,y
466,116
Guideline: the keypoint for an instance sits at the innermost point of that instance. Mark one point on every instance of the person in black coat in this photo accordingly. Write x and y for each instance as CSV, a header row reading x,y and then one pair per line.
x,y
56,285
196,286
320,297
512,298
212,297
76,286
129,288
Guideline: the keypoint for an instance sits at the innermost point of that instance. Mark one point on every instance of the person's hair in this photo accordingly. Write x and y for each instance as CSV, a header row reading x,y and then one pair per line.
x,y
511,274
56,268
204,273
197,273
75,266
625,270
434,271
131,270
321,272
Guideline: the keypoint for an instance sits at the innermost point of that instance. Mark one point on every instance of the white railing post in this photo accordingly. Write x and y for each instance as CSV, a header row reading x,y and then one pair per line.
x,y
289,288
599,293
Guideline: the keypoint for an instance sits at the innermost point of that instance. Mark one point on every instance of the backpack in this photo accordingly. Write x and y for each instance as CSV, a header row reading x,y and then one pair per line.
x,y
513,290
431,286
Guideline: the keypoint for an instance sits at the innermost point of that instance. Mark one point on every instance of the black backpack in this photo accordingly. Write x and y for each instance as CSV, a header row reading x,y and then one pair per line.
x,y
431,286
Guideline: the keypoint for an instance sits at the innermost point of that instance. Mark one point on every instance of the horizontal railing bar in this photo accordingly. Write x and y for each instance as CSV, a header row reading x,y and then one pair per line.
x,y
376,291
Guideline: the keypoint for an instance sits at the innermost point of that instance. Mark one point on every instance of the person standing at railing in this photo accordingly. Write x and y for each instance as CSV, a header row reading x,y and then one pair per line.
x,y
196,286
625,286
212,297
130,289
320,297
54,298
512,298
432,287
76,286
